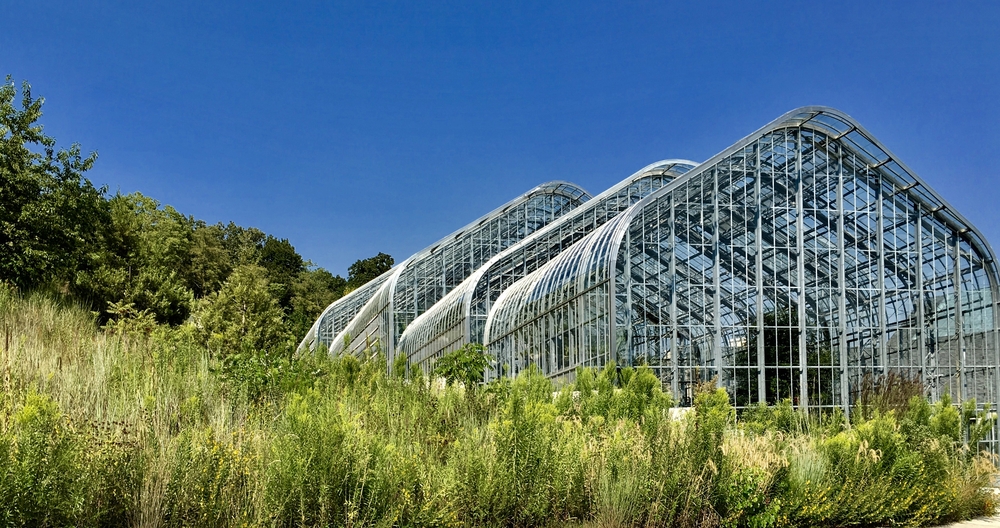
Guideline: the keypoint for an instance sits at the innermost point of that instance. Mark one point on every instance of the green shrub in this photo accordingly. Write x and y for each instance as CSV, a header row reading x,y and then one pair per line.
x,y
465,365
325,467
210,481
754,470
43,480
138,426
781,417
525,467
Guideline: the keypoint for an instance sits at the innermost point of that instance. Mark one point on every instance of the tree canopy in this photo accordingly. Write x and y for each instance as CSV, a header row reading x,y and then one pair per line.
x,y
49,213
128,255
367,269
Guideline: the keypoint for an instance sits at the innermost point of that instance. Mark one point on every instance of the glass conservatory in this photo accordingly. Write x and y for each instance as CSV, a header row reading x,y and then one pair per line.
x,y
795,264
790,265
459,318
372,316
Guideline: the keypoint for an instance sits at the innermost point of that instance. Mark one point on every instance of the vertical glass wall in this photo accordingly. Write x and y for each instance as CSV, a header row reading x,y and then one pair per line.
x,y
793,265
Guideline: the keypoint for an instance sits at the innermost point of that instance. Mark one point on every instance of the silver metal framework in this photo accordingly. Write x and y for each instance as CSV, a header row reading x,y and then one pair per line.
x,y
460,316
410,288
335,317
790,265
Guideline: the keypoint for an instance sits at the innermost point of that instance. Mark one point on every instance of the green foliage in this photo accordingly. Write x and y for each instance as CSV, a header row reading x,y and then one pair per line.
x,y
243,316
713,414
42,478
465,365
209,262
613,394
141,423
283,265
945,420
977,423
127,320
55,472
209,482
364,270
781,417
326,468
50,215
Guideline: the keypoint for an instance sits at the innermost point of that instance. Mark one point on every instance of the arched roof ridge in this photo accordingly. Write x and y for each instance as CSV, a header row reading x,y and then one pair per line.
x,y
561,187
802,116
463,293
552,187
636,176
614,231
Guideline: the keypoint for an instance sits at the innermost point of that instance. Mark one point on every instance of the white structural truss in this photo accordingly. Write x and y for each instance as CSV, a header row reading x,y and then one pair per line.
x,y
459,318
791,265
372,316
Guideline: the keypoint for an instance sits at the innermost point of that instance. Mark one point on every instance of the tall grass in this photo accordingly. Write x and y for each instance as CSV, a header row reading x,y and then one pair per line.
x,y
143,426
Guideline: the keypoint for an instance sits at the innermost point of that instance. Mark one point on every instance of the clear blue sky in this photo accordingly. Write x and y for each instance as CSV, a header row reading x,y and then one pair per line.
x,y
356,129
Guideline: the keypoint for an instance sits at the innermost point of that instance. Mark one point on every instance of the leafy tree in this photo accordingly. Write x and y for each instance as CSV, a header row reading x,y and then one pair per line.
x,y
163,255
364,270
49,213
209,262
280,259
312,291
283,265
145,260
465,365
243,315
243,243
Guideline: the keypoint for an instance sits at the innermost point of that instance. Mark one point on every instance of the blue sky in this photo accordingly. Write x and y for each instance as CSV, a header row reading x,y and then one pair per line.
x,y
352,129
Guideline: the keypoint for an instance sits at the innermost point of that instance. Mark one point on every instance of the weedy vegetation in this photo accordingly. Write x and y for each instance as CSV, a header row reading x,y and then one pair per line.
x,y
141,424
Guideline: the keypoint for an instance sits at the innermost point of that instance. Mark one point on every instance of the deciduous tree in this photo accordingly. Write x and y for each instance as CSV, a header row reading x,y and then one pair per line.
x,y
367,269
50,215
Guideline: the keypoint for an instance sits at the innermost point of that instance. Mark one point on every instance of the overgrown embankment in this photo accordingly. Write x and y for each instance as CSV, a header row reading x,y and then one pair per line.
x,y
140,426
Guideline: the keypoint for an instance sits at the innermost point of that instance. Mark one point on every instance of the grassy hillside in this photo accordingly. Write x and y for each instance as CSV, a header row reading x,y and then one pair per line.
x,y
141,424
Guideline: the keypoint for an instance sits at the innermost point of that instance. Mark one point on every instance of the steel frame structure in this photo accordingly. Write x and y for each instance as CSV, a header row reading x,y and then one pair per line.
x,y
459,318
789,266
792,265
372,317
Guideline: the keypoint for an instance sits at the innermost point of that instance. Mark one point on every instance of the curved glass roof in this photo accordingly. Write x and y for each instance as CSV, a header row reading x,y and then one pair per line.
x,y
421,280
460,316
808,224
339,314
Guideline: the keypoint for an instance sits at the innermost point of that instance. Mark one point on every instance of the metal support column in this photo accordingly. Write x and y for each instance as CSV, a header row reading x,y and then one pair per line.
x,y
800,274
883,356
674,345
759,276
716,283
919,297
628,279
959,330
845,387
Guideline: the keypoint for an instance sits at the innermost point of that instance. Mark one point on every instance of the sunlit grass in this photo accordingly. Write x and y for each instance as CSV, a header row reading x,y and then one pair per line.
x,y
148,428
